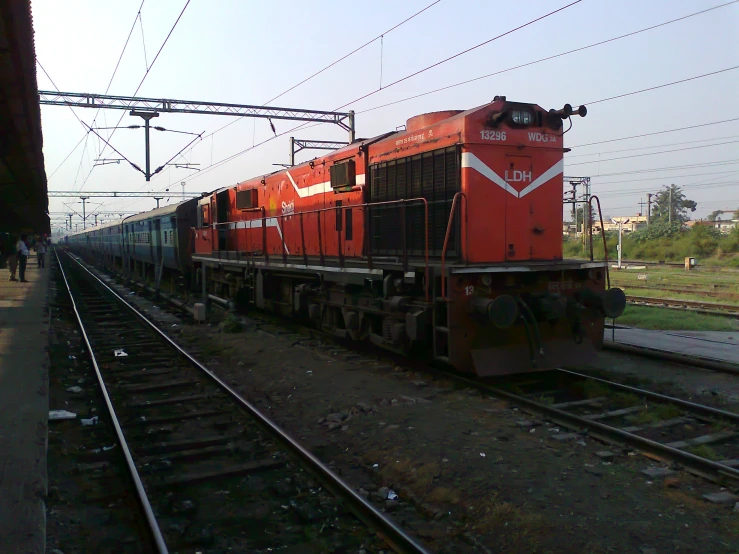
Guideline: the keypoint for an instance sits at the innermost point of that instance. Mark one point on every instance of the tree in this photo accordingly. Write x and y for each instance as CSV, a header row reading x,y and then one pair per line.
x,y
579,215
671,206
714,215
736,214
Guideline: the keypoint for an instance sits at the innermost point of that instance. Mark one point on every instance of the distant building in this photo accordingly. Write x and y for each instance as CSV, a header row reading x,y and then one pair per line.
x,y
726,226
635,223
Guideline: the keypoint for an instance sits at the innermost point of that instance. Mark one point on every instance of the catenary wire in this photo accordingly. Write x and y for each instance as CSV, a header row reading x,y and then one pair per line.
x,y
462,53
561,54
569,157
436,64
657,132
662,86
187,3
654,153
345,56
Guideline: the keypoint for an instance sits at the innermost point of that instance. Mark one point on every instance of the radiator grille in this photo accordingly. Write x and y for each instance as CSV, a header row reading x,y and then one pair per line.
x,y
434,176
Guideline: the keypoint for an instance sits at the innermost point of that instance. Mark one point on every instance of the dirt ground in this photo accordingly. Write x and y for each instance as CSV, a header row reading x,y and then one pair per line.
x,y
482,471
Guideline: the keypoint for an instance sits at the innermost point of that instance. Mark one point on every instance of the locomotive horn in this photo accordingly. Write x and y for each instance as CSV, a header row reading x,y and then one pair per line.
x,y
567,111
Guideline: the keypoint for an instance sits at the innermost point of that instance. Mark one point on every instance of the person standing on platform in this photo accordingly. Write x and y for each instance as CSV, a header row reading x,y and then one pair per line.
x,y
22,249
12,254
41,253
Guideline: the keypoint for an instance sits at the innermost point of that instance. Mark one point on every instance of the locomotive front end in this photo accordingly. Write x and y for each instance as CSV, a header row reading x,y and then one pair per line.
x,y
514,304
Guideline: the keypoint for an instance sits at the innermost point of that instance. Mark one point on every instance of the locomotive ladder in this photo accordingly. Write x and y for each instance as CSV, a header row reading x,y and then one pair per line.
x,y
441,322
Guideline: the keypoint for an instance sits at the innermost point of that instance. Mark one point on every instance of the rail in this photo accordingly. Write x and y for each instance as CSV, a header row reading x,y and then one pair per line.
x,y
361,508
131,466
447,234
233,237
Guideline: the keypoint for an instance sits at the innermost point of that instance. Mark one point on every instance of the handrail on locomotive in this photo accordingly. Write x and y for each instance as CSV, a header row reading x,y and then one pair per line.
x,y
338,209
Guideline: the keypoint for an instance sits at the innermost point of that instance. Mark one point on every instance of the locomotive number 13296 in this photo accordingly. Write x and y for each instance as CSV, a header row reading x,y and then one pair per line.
x,y
487,134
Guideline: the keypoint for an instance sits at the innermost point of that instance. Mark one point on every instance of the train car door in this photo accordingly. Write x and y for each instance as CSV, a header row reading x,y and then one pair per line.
x,y
157,241
222,205
518,173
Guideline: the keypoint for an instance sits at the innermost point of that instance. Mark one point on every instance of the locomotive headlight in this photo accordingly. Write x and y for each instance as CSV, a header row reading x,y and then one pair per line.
x,y
522,117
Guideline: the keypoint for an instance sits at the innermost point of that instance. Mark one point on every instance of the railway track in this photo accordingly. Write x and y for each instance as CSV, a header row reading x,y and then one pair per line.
x,y
684,289
697,306
700,438
209,469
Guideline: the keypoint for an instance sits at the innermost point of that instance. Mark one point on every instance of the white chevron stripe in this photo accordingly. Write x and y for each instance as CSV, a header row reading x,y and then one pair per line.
x,y
473,162
257,223
549,174
319,188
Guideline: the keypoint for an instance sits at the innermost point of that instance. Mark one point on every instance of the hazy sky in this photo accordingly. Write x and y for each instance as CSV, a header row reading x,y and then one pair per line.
x,y
248,52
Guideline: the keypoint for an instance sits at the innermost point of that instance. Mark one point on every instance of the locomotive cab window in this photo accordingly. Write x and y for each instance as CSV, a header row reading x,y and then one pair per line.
x,y
343,176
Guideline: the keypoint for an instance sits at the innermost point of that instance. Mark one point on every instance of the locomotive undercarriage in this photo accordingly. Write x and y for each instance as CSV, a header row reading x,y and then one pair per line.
x,y
488,323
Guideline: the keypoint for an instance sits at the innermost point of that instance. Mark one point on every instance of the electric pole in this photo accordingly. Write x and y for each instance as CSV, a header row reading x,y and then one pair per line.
x,y
649,207
670,214
84,217
158,198
146,116
96,219
183,190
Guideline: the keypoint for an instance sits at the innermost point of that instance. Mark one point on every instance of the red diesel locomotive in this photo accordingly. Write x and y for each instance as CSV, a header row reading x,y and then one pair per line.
x,y
446,236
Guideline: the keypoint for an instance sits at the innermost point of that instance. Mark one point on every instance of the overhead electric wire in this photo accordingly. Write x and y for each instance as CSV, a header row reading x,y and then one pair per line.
x,y
653,153
673,177
187,3
462,53
436,64
662,86
345,56
68,155
599,43
653,170
650,147
657,132
115,70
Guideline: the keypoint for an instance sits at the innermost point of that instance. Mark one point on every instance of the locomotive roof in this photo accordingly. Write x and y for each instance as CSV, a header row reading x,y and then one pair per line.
x,y
356,144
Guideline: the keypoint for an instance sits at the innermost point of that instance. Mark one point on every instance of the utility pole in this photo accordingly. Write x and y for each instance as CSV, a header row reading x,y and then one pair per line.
x,y
84,217
574,206
183,190
158,198
670,212
649,208
641,206
146,116
96,219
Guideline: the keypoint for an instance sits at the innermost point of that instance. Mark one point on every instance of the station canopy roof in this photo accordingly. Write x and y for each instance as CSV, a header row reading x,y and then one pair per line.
x,y
23,193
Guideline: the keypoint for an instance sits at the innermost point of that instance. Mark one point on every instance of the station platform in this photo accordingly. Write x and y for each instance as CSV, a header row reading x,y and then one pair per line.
x,y
717,346
24,410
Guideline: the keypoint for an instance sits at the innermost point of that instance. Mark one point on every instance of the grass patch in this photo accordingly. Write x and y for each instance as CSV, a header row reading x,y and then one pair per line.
x,y
516,529
626,399
659,412
704,451
593,389
231,324
647,317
